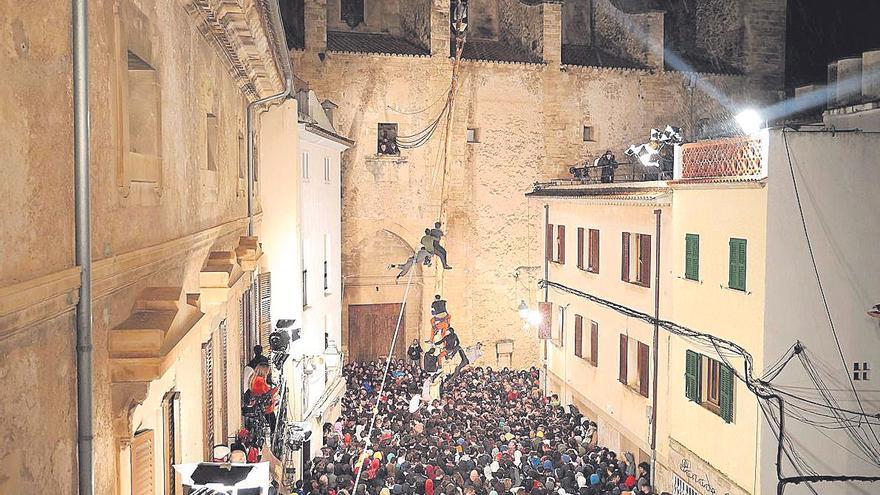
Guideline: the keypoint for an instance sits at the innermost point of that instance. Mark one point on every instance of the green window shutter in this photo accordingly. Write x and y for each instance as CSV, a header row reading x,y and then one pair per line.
x,y
692,376
736,278
692,257
725,399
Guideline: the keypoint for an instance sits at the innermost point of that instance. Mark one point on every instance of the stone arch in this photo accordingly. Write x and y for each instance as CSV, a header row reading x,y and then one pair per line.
x,y
370,284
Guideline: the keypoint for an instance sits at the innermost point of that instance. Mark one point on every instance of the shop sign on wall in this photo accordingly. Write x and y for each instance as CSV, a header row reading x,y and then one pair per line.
x,y
699,474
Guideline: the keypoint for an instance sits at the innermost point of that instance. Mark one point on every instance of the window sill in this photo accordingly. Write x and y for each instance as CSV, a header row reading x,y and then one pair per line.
x,y
633,389
696,281
732,289
638,284
588,270
327,293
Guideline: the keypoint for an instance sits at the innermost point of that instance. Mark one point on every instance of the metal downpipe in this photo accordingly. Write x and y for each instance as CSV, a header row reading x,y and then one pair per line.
x,y
278,27
83,244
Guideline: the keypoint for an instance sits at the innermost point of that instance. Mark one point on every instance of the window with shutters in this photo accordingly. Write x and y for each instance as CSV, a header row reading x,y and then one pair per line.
x,y
692,256
305,165
593,265
594,343
560,244
579,336
143,478
860,371
580,248
559,334
265,284
171,413
636,259
634,364
736,278
548,243
709,383
208,397
223,373
249,322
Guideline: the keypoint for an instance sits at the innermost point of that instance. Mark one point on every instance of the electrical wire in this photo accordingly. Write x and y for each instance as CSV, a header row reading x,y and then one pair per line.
x,y
819,281
764,391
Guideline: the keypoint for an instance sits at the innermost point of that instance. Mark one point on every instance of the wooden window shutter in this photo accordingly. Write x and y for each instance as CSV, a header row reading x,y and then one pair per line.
x,y
560,240
265,280
143,475
692,257
594,251
645,260
244,327
580,248
624,257
171,451
594,343
224,379
622,371
548,243
578,336
737,271
208,396
725,396
643,369
692,367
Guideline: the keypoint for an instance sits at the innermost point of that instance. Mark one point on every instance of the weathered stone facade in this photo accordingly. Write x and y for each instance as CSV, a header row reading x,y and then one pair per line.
x,y
530,120
176,70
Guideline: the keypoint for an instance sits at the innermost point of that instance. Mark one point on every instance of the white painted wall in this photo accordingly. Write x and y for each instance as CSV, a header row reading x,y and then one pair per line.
x,y
837,181
320,205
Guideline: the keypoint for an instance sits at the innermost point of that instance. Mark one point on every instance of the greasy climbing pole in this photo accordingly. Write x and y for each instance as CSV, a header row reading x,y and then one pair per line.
x,y
447,141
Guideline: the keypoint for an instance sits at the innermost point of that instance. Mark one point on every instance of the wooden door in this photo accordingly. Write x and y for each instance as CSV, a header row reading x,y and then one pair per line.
x,y
370,330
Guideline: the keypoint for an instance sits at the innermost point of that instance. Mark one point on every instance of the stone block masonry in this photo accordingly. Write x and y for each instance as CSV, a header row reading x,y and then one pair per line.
x,y
529,119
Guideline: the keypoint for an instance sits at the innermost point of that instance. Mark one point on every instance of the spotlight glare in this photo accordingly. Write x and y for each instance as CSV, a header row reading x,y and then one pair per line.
x,y
535,317
750,121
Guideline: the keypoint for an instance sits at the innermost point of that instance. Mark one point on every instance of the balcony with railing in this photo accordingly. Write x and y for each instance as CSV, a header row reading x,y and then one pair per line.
x,y
736,159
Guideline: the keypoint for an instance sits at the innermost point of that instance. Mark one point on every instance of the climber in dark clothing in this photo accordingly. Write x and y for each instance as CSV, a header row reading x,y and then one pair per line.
x,y
452,345
438,306
440,251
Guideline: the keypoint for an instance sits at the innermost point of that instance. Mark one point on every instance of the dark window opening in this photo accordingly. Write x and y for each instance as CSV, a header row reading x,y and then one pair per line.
x,y
352,12
293,15
387,140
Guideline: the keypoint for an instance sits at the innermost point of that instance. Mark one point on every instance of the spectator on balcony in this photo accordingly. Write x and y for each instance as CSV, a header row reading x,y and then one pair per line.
x,y
260,387
248,373
608,165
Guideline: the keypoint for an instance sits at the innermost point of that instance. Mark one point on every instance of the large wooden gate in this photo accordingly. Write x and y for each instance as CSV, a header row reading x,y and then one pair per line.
x,y
370,330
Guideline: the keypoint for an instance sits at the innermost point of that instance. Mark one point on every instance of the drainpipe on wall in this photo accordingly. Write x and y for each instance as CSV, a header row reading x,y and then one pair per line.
x,y
278,28
656,344
83,244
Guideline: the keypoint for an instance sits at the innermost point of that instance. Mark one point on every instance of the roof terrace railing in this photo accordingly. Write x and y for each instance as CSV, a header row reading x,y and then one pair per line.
x,y
737,157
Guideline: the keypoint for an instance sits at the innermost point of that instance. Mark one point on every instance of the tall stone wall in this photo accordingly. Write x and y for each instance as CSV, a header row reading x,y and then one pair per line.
x,y
529,120
522,25
38,284
637,37
577,22
415,22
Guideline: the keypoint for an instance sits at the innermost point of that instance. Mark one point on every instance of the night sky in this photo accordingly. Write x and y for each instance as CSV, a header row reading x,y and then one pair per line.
x,y
821,31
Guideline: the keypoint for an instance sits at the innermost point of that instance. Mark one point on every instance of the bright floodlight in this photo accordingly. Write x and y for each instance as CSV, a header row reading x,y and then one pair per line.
x,y
749,121
535,317
523,310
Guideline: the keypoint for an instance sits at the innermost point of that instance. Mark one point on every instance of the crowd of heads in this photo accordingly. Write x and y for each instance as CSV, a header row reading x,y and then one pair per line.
x,y
492,432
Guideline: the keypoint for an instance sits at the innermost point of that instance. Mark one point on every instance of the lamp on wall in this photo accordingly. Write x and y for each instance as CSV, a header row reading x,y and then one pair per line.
x,y
523,309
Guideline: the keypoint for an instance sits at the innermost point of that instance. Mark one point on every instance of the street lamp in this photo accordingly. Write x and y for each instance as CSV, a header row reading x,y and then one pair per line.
x,y
523,310
332,359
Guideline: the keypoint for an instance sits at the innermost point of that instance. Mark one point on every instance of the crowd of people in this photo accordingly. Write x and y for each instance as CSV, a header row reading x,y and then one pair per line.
x,y
491,432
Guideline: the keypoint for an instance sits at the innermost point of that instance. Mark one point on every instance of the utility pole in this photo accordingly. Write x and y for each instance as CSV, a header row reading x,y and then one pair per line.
x,y
656,343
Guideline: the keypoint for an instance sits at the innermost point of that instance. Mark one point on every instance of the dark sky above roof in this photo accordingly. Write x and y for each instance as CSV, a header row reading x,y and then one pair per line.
x,y
821,31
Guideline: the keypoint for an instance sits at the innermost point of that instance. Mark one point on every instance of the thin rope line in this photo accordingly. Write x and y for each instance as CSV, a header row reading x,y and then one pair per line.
x,y
384,379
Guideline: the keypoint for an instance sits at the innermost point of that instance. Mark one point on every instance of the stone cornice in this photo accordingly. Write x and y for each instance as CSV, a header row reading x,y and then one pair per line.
x,y
239,31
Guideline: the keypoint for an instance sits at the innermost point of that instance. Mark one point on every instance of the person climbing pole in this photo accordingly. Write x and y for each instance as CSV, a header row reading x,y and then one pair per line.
x,y
422,257
438,306
439,250
452,345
